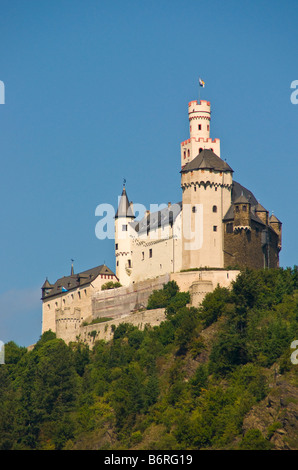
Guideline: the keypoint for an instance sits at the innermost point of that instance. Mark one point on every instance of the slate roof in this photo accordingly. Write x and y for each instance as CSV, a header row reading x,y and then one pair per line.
x,y
157,219
242,194
273,219
124,207
74,281
206,159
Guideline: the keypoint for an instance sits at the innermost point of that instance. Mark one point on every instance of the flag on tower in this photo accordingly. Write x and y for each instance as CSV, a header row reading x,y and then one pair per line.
x,y
201,82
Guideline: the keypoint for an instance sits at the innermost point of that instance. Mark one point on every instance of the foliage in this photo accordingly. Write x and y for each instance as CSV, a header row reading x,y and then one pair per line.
x,y
111,285
174,386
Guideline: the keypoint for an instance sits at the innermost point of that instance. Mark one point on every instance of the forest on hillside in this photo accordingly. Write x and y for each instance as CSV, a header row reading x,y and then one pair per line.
x,y
215,377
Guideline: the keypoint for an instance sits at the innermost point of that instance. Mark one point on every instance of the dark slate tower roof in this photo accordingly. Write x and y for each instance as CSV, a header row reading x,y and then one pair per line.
x,y
206,159
124,207
240,194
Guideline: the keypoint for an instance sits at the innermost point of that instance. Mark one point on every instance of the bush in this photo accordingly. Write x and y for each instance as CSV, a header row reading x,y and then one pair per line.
x,y
254,440
110,285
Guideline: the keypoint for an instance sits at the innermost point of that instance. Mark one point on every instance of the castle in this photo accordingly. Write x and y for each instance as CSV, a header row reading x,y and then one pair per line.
x,y
203,240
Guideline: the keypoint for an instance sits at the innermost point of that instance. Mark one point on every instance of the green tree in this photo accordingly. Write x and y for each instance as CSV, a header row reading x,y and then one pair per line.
x,y
254,440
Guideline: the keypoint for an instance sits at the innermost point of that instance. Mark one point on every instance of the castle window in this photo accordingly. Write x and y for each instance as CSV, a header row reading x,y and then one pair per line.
x,y
56,304
143,255
188,152
129,263
215,189
208,128
214,209
214,228
79,294
184,154
85,292
200,127
194,209
49,306
116,246
117,263
195,188
200,150
237,209
150,253
124,228
229,227
244,208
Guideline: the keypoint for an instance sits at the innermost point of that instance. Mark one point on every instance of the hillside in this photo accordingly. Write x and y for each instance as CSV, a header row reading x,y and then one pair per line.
x,y
217,377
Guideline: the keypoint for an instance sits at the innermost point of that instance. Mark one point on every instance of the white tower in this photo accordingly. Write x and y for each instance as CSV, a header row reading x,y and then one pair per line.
x,y
206,182
199,115
123,240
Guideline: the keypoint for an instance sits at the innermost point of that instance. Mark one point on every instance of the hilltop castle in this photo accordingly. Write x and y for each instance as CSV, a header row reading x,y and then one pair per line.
x,y
218,226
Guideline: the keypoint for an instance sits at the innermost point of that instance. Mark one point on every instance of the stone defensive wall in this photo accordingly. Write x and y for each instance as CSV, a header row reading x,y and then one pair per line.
x,y
104,331
199,283
128,305
114,303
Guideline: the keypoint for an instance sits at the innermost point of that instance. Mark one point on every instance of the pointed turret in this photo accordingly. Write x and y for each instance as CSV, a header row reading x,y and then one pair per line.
x,y
124,216
262,213
276,224
124,206
242,212
46,288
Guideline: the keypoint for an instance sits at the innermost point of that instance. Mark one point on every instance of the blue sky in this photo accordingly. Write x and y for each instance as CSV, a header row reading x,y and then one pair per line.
x,y
97,91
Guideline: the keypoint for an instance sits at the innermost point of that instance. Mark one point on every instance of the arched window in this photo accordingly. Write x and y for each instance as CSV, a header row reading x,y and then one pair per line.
x,y
188,152
214,209
184,154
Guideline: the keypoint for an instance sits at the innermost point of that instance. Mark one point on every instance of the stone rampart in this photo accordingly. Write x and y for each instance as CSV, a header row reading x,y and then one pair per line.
x,y
115,303
104,331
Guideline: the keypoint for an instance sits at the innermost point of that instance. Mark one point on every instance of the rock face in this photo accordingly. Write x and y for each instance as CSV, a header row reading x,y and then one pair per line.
x,y
277,415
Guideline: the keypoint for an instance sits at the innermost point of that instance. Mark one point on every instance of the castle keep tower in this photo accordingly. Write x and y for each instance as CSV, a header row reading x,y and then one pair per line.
x,y
199,115
206,182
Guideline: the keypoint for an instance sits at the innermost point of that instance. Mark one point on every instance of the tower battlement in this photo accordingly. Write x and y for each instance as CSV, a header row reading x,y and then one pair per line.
x,y
199,115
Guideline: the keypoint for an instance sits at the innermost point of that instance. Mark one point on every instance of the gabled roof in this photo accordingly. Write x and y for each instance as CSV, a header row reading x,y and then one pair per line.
x,y
260,208
206,159
77,280
273,219
157,219
124,207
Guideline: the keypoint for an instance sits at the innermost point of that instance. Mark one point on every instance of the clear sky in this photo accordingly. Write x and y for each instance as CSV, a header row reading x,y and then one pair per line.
x,y
97,91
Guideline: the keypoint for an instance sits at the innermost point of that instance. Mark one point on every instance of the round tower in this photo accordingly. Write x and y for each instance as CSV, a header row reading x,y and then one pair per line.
x,y
124,216
199,115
